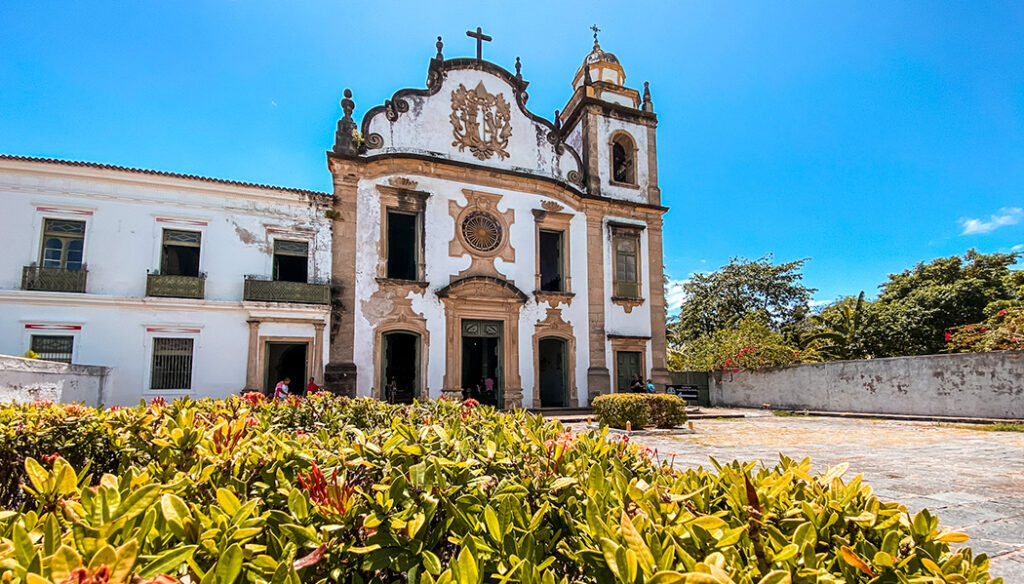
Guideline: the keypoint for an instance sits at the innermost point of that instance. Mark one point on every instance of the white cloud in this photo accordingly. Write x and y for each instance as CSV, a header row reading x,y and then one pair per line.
x,y
674,294
273,103
1005,216
1018,247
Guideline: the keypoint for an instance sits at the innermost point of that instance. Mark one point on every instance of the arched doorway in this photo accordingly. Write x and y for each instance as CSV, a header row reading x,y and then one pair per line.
x,y
552,372
400,367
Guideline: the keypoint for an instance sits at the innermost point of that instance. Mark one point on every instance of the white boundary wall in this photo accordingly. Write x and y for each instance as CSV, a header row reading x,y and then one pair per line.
x,y
986,385
26,380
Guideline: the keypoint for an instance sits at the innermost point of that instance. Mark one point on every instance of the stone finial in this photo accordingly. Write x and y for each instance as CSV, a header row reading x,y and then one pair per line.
x,y
558,121
439,45
519,70
648,105
345,138
347,105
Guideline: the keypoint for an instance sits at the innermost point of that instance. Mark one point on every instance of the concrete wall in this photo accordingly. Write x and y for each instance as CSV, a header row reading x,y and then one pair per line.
x,y
987,385
26,380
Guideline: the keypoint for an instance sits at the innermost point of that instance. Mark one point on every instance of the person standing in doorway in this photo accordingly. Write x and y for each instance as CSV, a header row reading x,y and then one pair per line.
x,y
390,390
637,385
650,386
312,387
281,389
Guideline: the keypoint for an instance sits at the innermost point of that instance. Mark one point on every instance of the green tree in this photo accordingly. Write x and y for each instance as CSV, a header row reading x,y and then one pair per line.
x,y
917,306
843,327
721,299
751,344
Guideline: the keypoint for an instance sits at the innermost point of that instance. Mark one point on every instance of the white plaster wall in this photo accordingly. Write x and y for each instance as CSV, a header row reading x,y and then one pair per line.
x,y
968,384
125,216
439,228
27,380
123,212
426,128
605,127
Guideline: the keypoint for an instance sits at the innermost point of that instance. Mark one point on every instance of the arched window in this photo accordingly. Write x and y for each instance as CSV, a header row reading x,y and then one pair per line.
x,y
623,159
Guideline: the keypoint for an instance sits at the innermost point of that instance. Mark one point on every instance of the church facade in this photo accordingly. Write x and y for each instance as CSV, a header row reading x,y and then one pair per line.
x,y
470,248
481,250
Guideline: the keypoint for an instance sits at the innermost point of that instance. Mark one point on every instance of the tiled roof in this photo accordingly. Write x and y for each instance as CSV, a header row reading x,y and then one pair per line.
x,y
159,173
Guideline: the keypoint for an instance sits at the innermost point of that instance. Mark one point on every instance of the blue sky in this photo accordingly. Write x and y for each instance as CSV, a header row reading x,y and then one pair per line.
x,y
866,136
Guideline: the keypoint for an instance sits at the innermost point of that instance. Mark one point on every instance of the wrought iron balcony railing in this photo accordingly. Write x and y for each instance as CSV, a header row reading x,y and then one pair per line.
x,y
168,286
265,290
53,279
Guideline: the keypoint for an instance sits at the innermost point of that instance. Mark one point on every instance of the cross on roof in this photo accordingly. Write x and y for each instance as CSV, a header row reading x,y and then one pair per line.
x,y
596,30
480,38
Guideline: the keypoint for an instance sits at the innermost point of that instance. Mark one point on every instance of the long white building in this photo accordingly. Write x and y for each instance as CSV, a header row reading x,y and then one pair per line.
x,y
180,284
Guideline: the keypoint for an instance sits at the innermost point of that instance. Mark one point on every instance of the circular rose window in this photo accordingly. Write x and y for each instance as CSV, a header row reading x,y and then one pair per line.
x,y
481,231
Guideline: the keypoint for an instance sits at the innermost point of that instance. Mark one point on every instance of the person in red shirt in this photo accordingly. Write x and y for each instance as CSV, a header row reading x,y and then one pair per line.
x,y
312,387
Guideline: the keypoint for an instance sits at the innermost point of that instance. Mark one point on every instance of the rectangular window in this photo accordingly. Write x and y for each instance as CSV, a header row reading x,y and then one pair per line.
x,y
53,347
291,261
63,243
401,246
627,275
172,364
180,253
550,258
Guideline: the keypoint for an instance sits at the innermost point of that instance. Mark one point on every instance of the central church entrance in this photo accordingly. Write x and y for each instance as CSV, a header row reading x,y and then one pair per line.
x,y
481,361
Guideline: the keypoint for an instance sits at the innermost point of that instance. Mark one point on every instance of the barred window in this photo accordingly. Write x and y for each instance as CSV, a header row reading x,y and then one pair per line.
x,y
53,347
172,364
62,244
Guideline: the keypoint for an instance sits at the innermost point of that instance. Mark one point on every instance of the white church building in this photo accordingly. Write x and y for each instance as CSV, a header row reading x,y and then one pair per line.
x,y
470,248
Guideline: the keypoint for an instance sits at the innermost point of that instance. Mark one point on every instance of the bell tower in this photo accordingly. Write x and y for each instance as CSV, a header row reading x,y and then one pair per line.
x,y
613,127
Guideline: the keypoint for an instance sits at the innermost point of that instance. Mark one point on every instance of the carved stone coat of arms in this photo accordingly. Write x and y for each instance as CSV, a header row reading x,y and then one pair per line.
x,y
480,122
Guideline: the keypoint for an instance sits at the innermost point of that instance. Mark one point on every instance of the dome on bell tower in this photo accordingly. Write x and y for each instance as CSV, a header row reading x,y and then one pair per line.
x,y
601,65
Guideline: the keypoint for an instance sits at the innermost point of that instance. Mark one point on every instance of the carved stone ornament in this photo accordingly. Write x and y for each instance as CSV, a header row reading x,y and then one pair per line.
x,y
551,206
400,182
480,122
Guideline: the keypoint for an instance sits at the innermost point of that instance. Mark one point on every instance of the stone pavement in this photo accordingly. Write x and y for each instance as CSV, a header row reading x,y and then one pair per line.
x,y
972,480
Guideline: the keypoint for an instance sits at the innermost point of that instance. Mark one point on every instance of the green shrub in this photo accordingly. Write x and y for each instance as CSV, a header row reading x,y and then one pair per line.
x,y
667,411
640,410
331,489
618,408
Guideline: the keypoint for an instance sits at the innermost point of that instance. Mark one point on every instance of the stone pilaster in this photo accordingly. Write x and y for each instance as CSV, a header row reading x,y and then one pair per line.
x,y
656,296
341,372
598,380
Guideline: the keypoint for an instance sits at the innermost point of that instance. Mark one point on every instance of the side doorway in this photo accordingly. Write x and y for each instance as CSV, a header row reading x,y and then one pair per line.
x,y
553,374
286,359
400,367
627,365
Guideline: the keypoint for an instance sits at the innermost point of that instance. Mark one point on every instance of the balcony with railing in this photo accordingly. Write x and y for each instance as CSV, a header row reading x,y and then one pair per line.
x,y
53,279
262,289
173,286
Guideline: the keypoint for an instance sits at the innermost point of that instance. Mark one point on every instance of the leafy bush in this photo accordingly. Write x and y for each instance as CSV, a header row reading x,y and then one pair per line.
x,y
618,408
640,410
667,411
336,490
1003,331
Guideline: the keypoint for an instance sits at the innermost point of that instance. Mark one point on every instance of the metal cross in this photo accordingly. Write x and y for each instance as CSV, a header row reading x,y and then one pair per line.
x,y
480,38
596,30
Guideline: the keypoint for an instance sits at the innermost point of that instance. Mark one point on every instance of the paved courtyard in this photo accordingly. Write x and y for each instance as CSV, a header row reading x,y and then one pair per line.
x,y
973,480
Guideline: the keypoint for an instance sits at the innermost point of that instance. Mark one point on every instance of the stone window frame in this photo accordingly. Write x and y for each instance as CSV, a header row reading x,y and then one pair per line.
x,y
407,200
60,329
634,231
628,143
65,239
551,218
628,343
